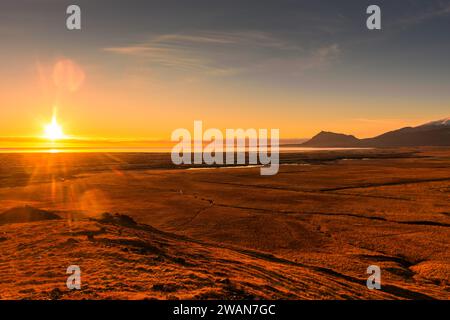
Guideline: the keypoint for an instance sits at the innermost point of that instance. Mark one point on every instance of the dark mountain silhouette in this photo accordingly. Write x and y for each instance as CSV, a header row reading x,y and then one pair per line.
x,y
436,133
327,139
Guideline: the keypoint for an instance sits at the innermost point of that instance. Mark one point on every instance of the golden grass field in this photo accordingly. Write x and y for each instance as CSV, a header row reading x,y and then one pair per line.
x,y
309,232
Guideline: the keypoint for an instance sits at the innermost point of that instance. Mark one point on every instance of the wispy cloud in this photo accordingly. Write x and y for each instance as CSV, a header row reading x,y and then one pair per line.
x,y
315,59
228,53
247,38
323,56
436,9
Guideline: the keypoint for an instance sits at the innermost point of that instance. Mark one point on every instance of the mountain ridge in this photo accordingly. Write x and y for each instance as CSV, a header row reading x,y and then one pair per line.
x,y
434,133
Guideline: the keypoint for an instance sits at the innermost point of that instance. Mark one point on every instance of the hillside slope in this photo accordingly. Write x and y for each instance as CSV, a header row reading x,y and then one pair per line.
x,y
436,133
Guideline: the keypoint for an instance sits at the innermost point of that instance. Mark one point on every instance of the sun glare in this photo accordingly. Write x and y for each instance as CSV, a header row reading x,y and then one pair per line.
x,y
53,131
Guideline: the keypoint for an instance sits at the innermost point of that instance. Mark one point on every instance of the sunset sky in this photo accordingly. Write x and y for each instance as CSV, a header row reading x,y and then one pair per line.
x,y
140,69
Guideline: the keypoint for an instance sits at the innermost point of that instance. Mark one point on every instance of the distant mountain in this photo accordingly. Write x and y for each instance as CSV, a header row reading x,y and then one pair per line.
x,y
327,139
436,133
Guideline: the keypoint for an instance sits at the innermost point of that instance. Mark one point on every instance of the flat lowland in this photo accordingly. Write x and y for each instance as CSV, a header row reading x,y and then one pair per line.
x,y
310,232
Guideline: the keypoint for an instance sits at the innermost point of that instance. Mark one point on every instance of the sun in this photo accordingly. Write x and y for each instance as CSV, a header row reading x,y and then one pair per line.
x,y
53,131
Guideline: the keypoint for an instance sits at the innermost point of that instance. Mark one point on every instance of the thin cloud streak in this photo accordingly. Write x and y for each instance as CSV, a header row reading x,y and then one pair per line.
x,y
438,11
229,53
